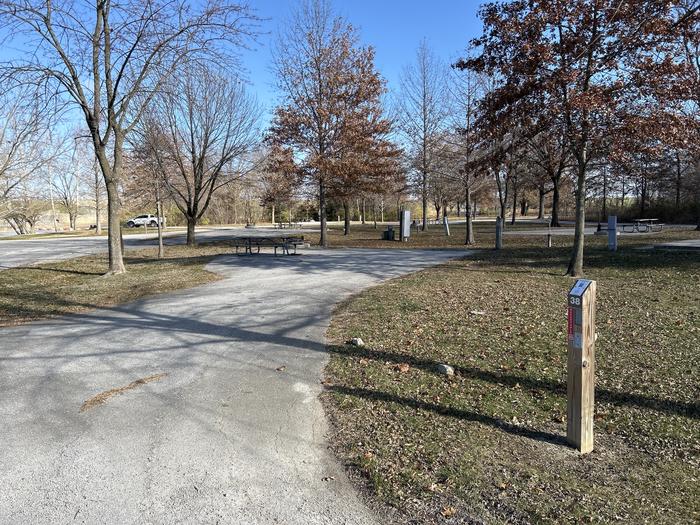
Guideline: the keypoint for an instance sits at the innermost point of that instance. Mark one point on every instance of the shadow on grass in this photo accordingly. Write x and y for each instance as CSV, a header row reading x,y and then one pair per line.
x,y
690,410
57,270
596,259
464,415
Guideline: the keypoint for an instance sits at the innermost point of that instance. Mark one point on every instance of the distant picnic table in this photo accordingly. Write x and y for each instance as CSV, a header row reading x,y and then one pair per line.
x,y
643,226
288,225
252,243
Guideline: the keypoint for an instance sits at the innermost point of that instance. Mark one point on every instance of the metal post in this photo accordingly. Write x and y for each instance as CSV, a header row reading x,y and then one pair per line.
x,y
581,365
446,224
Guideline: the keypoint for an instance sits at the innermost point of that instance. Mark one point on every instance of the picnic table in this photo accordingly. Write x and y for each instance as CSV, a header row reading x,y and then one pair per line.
x,y
288,225
284,242
643,226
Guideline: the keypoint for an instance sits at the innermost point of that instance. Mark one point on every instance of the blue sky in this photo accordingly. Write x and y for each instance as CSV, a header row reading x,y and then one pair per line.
x,y
393,27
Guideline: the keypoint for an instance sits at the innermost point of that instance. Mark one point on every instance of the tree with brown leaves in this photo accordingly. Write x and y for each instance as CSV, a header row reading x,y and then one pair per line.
x,y
331,116
562,60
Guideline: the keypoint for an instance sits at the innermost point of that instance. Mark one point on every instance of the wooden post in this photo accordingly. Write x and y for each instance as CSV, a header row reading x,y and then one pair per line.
x,y
446,224
580,383
499,233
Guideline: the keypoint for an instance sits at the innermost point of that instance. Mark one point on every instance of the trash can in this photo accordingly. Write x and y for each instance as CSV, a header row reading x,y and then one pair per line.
x,y
388,234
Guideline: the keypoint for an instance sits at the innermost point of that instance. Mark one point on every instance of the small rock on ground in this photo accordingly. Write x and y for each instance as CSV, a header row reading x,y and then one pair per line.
x,y
445,370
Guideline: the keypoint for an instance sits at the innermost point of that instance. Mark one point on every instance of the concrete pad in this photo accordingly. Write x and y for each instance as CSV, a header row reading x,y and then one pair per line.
x,y
234,433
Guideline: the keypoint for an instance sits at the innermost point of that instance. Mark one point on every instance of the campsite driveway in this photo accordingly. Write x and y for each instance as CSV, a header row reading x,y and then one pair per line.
x,y
229,429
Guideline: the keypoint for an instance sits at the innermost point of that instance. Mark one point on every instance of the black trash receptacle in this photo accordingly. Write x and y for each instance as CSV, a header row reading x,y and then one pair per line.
x,y
388,234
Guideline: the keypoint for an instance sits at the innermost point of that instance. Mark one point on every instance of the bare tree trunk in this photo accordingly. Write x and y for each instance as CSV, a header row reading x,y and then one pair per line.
x,y
554,223
364,211
53,209
322,213
540,204
678,180
425,200
191,223
697,192
98,221
159,218
605,192
346,218
576,263
273,214
114,233
515,201
470,230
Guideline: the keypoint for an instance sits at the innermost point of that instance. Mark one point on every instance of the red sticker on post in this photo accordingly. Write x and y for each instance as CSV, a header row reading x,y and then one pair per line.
x,y
571,316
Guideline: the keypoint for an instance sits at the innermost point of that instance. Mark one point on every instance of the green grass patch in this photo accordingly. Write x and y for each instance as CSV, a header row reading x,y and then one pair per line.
x,y
489,443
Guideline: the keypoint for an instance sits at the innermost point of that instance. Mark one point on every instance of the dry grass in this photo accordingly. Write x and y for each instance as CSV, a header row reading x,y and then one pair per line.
x,y
488,444
103,397
367,237
77,285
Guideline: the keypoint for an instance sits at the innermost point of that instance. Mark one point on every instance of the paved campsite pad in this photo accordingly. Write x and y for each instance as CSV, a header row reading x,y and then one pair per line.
x,y
233,433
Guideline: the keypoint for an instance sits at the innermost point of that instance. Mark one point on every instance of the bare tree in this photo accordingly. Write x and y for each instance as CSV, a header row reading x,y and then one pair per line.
x,y
422,114
22,134
467,89
110,58
200,130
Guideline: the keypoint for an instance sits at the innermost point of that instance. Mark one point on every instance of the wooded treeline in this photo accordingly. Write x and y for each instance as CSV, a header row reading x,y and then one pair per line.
x,y
559,110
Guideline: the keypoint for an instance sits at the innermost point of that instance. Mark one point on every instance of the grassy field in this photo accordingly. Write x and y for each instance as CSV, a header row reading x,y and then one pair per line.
x,y
366,236
77,285
487,445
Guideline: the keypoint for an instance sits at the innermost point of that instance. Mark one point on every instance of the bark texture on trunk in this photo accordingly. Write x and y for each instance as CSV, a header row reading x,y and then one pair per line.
x,y
346,218
159,218
555,206
322,213
576,263
191,223
470,230
114,232
425,201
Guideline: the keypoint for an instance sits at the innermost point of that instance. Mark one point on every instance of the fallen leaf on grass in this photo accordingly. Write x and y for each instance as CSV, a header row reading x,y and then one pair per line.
x,y
448,512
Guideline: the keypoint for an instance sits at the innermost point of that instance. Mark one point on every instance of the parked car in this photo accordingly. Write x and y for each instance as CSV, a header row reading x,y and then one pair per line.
x,y
144,220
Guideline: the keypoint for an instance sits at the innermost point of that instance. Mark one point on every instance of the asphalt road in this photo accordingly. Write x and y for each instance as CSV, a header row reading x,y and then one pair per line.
x,y
15,253
232,433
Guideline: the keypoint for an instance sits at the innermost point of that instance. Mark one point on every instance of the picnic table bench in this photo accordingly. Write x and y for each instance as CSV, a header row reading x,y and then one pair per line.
x,y
285,243
643,226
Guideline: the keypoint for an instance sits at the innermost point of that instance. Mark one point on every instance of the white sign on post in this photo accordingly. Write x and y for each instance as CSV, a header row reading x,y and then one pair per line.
x,y
405,226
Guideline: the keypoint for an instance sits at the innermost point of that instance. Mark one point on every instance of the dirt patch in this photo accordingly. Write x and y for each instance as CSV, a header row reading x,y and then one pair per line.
x,y
102,397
